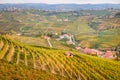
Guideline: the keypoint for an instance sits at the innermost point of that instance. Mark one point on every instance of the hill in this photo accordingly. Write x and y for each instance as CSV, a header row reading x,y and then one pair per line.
x,y
32,22
62,7
11,71
54,61
107,39
40,42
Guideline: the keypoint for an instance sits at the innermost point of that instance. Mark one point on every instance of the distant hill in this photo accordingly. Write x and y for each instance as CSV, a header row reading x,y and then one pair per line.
x,y
61,6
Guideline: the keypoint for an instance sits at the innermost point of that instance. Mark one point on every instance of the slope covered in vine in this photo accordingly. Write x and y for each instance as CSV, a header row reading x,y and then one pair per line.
x,y
54,61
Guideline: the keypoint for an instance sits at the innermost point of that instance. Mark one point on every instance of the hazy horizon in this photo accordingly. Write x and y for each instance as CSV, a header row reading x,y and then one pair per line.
x,y
61,1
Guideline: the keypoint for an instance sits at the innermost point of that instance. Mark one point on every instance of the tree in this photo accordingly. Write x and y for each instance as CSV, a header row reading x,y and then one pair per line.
x,y
50,34
94,25
117,14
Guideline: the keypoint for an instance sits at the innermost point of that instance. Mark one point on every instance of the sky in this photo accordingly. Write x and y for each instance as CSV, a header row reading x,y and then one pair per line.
x,y
62,1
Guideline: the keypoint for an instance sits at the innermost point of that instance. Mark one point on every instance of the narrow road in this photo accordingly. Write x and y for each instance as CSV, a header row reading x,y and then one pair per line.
x,y
49,43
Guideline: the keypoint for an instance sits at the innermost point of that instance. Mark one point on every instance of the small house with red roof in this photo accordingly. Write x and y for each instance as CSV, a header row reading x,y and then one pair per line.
x,y
108,54
87,50
69,54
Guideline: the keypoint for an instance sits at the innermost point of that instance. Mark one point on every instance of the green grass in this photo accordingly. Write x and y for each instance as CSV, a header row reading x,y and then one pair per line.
x,y
40,42
79,27
104,39
111,32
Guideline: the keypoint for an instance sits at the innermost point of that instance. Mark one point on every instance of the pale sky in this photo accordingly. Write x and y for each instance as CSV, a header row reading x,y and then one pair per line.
x,y
62,1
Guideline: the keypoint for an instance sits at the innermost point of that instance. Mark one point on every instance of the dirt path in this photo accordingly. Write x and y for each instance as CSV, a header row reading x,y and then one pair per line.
x,y
49,43
10,55
1,44
4,52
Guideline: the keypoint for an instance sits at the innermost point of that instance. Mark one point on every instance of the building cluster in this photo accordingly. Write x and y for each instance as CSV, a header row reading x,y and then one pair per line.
x,y
103,54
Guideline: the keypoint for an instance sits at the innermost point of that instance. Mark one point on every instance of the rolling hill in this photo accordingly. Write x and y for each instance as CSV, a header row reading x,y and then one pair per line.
x,y
54,61
61,6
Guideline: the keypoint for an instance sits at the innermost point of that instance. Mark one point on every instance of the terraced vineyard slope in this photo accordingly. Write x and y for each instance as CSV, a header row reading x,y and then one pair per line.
x,y
78,67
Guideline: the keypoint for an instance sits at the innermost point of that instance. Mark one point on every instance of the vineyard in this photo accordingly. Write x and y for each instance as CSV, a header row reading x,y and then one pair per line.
x,y
78,67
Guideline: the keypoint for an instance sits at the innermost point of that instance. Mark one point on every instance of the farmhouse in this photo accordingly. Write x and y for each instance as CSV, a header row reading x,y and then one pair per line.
x,y
46,37
90,51
66,20
69,54
19,34
64,36
87,50
108,54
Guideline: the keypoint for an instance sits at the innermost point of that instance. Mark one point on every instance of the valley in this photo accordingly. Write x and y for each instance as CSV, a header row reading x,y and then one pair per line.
x,y
59,42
